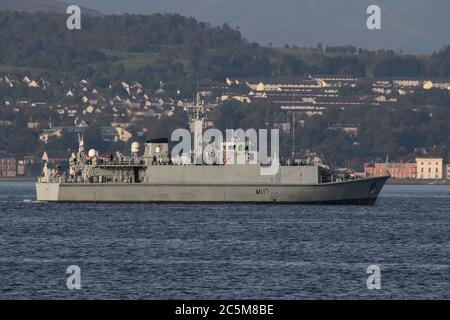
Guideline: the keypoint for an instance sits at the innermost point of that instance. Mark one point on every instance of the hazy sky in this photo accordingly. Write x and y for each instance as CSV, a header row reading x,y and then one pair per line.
x,y
409,25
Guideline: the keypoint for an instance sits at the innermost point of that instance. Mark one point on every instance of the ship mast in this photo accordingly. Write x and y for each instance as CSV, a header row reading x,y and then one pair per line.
x,y
197,129
80,144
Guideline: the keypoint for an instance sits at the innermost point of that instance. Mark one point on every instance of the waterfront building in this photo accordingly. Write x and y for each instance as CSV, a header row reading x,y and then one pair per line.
x,y
447,171
429,168
8,167
396,170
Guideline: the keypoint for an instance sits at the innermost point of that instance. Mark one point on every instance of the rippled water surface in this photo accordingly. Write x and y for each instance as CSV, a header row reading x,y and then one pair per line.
x,y
168,251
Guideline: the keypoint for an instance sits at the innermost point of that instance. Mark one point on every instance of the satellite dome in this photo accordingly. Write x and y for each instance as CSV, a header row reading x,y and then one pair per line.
x,y
92,153
135,147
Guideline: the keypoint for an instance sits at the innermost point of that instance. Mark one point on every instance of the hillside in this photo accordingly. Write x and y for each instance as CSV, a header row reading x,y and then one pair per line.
x,y
179,50
414,26
32,6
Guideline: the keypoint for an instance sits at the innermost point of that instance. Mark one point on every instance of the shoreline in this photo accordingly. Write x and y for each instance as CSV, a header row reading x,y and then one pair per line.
x,y
417,182
18,179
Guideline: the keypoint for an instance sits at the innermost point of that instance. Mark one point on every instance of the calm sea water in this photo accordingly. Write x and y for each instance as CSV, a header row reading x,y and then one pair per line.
x,y
152,251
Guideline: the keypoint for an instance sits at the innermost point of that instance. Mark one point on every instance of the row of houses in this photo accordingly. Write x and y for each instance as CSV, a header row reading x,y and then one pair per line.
x,y
310,95
315,93
30,165
79,98
82,102
8,167
404,85
421,169
11,167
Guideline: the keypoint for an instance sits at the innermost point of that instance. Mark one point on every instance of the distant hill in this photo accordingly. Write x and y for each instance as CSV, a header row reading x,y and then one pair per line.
x,y
178,51
415,26
32,6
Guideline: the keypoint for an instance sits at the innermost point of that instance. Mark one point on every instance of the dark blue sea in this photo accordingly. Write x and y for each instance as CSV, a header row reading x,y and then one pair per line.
x,y
171,251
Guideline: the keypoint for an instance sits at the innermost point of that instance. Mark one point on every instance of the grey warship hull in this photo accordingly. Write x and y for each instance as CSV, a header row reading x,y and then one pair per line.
x,y
360,191
147,179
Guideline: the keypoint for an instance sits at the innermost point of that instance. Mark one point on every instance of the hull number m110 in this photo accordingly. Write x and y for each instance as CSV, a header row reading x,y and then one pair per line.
x,y
262,191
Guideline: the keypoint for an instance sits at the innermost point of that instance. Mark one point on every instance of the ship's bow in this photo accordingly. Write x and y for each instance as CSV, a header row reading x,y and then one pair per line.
x,y
375,186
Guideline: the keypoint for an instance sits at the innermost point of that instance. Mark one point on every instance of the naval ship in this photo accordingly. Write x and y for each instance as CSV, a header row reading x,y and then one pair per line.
x,y
156,176
153,177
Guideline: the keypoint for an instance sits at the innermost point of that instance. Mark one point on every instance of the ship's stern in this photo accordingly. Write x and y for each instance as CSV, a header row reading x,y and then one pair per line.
x,y
47,191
